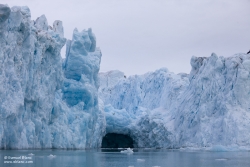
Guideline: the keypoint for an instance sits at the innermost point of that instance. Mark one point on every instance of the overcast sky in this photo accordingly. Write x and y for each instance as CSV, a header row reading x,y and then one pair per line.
x,y
137,36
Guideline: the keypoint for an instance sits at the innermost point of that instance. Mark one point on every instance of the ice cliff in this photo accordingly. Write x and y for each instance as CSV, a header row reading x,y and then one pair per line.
x,y
209,107
215,108
45,102
138,105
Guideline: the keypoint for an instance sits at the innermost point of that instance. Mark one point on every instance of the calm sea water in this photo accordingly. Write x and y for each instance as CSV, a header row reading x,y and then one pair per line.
x,y
113,158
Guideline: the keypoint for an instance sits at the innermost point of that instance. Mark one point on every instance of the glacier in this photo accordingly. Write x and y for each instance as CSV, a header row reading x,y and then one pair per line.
x,y
137,105
208,108
50,102
47,102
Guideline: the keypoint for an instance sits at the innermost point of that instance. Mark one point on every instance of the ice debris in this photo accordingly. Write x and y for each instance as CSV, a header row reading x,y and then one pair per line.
x,y
140,160
52,156
221,159
128,151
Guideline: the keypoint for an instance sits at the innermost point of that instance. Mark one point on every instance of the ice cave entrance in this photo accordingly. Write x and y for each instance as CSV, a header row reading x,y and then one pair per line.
x,y
114,140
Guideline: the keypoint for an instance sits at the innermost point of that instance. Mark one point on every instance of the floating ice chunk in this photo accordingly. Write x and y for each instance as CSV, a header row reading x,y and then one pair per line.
x,y
128,151
140,160
51,156
221,159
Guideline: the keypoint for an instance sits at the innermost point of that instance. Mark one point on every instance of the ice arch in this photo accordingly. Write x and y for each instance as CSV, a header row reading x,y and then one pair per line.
x,y
114,140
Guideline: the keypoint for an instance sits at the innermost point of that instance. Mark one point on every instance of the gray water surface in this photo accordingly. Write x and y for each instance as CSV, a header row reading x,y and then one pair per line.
x,y
113,158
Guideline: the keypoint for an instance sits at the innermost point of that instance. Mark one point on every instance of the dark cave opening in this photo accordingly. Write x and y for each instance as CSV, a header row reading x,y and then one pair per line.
x,y
114,140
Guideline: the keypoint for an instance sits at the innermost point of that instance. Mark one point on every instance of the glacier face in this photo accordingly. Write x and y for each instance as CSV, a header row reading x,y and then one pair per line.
x,y
209,107
214,109
40,104
47,102
78,116
137,105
